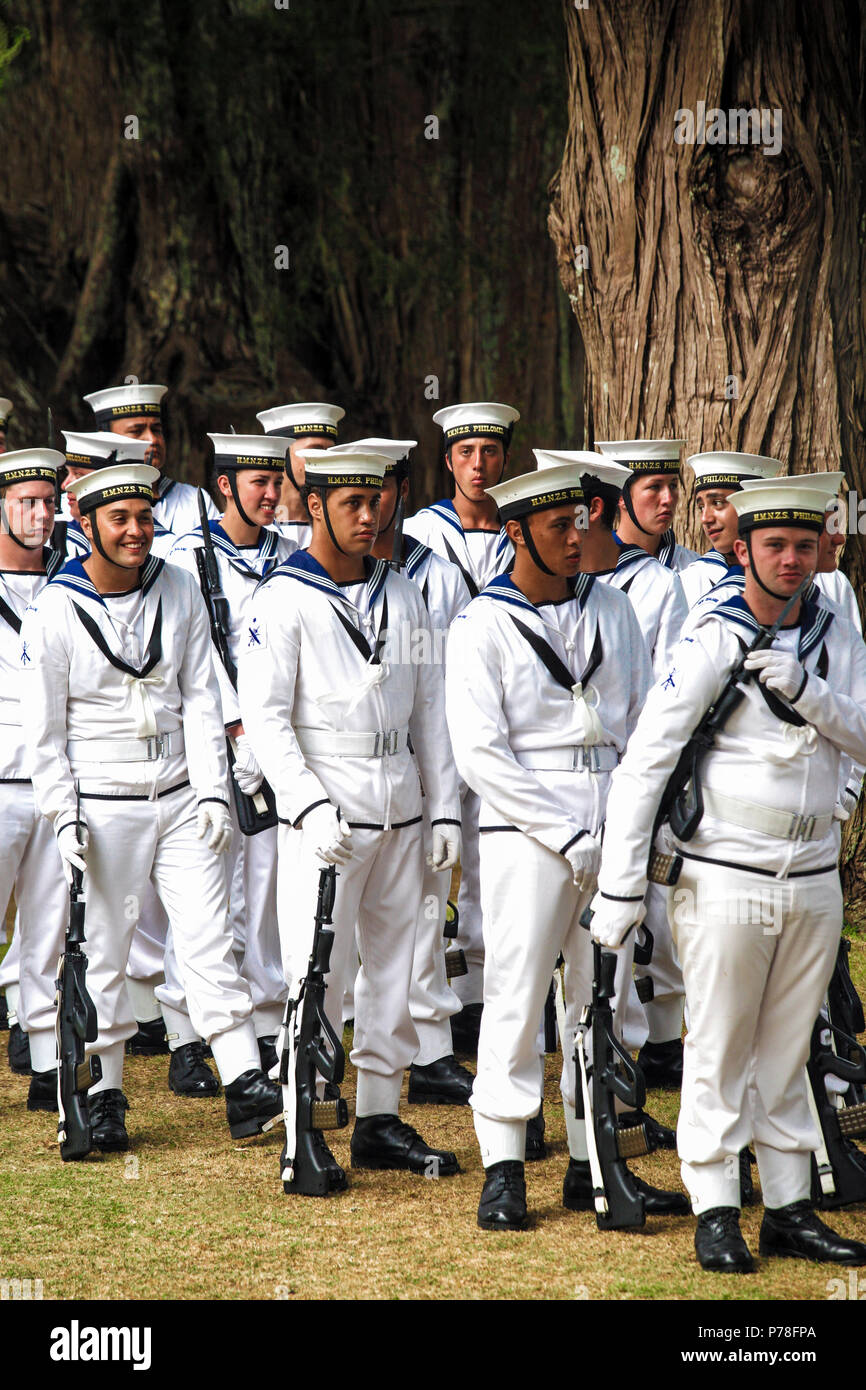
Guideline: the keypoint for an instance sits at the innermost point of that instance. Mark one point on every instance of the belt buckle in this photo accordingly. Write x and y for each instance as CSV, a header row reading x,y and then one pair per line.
x,y
807,829
393,737
378,744
801,827
588,758
156,748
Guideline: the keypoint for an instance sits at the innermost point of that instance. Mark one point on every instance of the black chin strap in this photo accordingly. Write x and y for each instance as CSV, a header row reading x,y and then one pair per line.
x,y
531,547
397,547
97,541
758,580
324,496
627,502
233,484
7,526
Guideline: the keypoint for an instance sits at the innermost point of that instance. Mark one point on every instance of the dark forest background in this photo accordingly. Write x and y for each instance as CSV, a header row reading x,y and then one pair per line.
x,y
260,127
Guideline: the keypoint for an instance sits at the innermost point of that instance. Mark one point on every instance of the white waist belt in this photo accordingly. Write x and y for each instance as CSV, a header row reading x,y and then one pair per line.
x,y
784,825
329,743
583,757
132,750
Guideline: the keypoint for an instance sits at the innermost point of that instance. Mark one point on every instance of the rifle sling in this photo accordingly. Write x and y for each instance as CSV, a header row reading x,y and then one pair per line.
x,y
222,648
10,616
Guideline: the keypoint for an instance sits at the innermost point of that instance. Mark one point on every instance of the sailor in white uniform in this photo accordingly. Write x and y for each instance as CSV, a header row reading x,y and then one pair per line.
x,y
652,1017
29,862
119,697
248,471
307,425
717,475
100,449
435,1077
649,501
757,911
545,676
136,412
467,532
330,721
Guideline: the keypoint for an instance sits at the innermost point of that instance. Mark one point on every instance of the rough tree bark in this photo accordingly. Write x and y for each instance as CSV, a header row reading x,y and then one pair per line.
x,y
724,299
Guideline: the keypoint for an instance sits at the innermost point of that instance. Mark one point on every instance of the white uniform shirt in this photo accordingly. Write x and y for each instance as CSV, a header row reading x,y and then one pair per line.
x,y
503,703
699,577
296,534
177,507
674,556
240,571
18,590
757,756
70,691
657,598
480,555
299,669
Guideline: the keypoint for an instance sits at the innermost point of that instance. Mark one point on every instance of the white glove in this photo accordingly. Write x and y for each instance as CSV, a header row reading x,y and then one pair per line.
x,y
612,920
778,671
328,834
247,773
584,856
213,816
72,841
446,847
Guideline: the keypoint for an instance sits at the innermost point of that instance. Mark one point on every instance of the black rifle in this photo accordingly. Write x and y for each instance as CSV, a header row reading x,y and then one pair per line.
x,y
258,812
58,535
682,802
619,1206
311,1049
838,1166
76,1025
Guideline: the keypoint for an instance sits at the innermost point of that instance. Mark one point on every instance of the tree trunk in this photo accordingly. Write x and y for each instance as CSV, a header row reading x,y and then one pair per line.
x,y
722,299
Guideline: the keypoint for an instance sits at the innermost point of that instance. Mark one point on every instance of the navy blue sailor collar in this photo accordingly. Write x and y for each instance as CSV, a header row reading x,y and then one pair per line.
x,y
814,621
503,590
448,512
302,567
74,576
265,550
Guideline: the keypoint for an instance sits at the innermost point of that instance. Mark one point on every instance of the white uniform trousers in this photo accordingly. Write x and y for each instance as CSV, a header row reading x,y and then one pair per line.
x,y
147,949
530,909
432,1001
133,842
757,954
379,890
662,1018
252,868
470,936
30,863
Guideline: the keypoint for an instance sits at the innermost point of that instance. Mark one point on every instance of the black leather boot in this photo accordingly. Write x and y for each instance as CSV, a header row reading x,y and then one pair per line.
x,y
796,1233
149,1041
19,1051
384,1141
107,1127
189,1073
719,1243
662,1064
536,1148
503,1199
252,1101
465,1028
577,1193
268,1052
444,1082
43,1090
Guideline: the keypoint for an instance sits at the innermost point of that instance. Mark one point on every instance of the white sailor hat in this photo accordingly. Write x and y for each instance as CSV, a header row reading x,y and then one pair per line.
x,y
125,402
592,465
6,409
643,456
778,503
259,451
298,421
118,483
828,484
102,449
30,466
724,469
554,486
477,420
396,451
351,467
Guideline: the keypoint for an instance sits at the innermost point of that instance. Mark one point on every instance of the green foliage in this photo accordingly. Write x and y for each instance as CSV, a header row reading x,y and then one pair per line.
x,y
10,46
